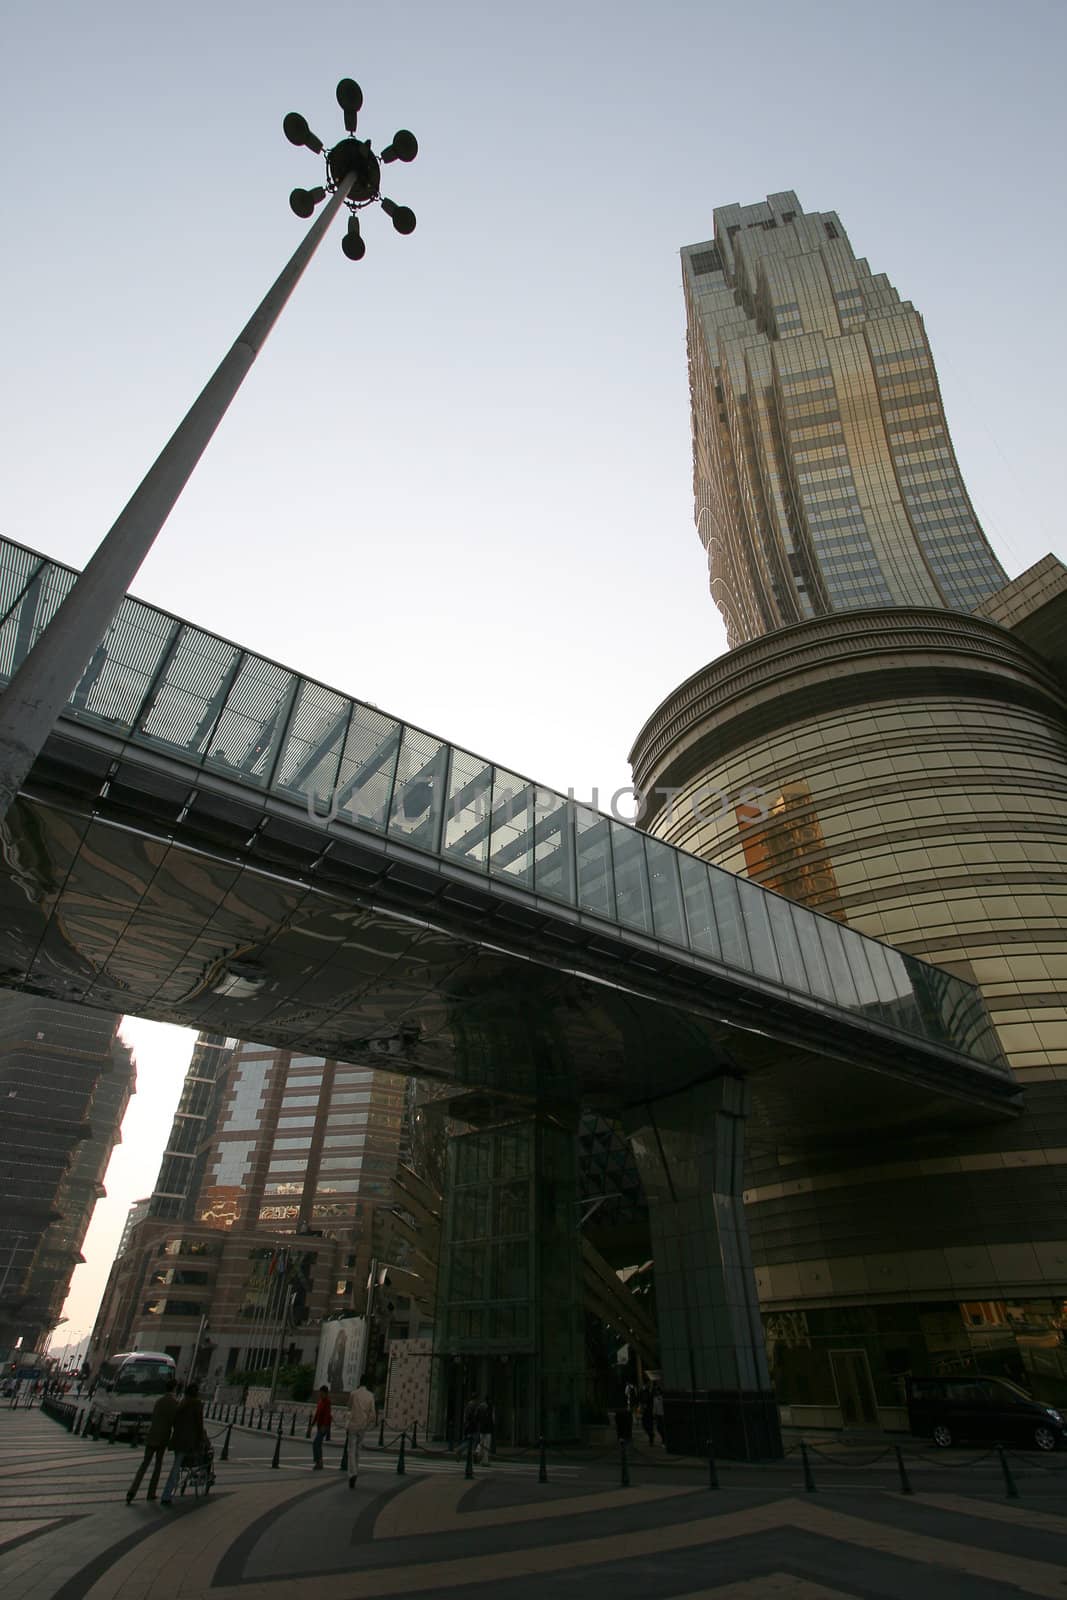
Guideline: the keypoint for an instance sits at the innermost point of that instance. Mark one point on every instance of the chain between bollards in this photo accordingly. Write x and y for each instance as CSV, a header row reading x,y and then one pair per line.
x,y
542,1462
1010,1487
225,1456
809,1481
277,1445
400,1467
905,1481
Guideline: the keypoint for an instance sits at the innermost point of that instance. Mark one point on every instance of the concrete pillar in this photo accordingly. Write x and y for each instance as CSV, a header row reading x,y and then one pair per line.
x,y
690,1152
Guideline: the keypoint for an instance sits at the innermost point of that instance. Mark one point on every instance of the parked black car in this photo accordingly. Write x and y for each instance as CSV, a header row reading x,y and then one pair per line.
x,y
993,1409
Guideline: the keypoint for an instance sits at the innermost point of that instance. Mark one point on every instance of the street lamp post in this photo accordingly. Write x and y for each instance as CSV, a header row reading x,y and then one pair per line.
x,y
42,685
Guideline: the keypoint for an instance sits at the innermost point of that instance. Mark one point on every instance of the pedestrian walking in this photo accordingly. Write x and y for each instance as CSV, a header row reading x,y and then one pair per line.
x,y
321,1422
647,1420
157,1439
362,1414
470,1429
657,1411
623,1416
188,1435
483,1428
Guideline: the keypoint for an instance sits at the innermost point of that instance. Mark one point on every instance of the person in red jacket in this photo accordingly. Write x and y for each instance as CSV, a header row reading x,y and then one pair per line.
x,y
321,1422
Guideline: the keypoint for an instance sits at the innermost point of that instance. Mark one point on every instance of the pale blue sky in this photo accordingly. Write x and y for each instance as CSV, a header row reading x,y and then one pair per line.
x,y
458,481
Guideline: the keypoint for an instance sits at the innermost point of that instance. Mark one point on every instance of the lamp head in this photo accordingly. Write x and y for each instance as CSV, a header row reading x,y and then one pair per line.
x,y
405,147
296,130
350,99
304,201
403,216
352,244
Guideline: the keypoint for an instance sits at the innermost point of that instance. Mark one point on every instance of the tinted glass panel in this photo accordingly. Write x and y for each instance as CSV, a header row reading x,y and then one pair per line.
x,y
511,839
470,790
728,917
596,891
632,900
554,850
368,768
668,913
699,907
314,739
758,928
248,735
418,793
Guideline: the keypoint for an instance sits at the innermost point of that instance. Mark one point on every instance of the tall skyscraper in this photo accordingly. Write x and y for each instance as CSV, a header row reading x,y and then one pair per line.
x,y
886,742
824,475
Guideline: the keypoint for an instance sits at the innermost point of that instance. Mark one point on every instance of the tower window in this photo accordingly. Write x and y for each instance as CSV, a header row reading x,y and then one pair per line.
x,y
831,231
706,261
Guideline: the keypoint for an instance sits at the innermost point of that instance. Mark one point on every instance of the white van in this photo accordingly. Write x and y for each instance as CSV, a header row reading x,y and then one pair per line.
x,y
128,1386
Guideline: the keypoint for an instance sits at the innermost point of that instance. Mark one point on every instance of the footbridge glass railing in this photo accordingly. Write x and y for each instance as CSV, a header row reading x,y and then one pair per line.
x,y
163,683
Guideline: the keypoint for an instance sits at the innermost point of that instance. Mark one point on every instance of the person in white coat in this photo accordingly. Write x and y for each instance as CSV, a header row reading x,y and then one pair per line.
x,y
362,1414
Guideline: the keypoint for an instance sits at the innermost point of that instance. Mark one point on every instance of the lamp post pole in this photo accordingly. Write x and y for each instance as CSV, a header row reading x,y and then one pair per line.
x,y
44,682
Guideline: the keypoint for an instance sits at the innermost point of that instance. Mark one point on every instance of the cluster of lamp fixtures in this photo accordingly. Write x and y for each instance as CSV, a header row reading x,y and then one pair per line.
x,y
352,156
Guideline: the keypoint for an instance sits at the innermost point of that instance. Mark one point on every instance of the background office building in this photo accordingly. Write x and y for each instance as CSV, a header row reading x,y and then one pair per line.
x,y
65,1081
887,743
277,1188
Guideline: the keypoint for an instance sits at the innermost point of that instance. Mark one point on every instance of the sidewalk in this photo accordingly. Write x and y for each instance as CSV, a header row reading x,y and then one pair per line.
x,y
66,1532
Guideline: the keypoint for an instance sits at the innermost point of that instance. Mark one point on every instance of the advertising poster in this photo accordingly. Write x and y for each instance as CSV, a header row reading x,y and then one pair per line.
x,y
342,1346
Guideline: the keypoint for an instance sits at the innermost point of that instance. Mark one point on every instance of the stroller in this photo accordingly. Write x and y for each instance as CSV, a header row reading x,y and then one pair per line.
x,y
198,1472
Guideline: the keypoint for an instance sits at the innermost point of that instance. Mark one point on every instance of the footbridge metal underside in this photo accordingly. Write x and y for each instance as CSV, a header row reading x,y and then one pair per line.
x,y
131,883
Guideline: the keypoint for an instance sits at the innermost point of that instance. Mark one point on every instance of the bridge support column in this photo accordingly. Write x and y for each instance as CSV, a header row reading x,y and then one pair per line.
x,y
690,1152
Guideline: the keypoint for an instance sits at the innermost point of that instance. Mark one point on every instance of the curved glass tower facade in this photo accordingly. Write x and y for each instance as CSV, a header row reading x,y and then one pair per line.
x,y
824,475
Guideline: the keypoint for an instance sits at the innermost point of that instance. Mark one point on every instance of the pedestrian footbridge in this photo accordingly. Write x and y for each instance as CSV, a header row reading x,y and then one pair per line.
x,y
211,839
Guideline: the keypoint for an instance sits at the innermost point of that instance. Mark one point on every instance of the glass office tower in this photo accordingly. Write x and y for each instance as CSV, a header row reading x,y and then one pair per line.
x,y
824,475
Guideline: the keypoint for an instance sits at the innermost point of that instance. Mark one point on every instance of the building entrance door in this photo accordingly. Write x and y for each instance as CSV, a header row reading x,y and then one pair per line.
x,y
855,1391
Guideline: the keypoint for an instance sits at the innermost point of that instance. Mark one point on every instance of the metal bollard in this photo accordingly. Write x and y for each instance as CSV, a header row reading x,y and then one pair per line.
x,y
624,1475
277,1445
542,1461
713,1475
905,1481
114,1428
809,1481
415,1434
292,1424
307,1434
400,1467
225,1456
270,1422
381,1433
1010,1487
344,1454
468,1471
